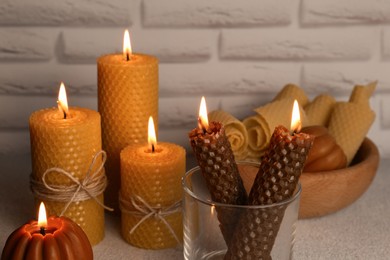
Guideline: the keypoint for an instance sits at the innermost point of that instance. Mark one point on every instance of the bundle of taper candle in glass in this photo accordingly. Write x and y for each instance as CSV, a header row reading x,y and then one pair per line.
x,y
248,234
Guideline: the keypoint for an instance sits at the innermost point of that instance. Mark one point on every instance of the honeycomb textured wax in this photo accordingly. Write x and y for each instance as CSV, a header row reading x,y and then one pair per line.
x,y
276,181
127,96
156,178
350,121
69,144
219,169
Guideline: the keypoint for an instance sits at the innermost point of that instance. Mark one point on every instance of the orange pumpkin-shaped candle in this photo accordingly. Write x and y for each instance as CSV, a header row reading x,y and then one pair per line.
x,y
326,154
57,238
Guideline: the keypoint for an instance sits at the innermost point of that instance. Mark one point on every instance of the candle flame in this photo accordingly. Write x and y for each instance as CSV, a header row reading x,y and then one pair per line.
x,y
127,46
203,119
152,140
42,219
296,118
62,100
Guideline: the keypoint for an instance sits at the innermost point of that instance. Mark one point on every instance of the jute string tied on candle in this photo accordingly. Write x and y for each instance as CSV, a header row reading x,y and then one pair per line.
x,y
90,187
143,209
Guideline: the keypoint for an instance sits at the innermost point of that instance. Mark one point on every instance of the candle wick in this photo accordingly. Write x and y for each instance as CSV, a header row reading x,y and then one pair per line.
x,y
153,148
127,56
64,115
295,131
42,231
201,126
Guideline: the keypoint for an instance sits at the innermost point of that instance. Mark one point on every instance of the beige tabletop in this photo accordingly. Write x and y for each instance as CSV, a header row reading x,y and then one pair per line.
x,y
360,231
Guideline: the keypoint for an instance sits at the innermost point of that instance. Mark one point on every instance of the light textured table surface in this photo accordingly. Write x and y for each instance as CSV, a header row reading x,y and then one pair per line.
x,y
360,231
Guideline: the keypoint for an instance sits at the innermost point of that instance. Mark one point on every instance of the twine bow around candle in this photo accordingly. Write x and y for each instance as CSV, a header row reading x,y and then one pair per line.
x,y
90,187
142,208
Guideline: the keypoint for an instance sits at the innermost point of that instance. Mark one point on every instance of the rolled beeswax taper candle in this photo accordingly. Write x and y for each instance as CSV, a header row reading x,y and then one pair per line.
x,y
68,140
277,179
127,96
216,161
151,193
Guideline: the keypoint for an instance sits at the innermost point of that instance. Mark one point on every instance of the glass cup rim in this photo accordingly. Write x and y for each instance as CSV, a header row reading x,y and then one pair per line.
x,y
188,191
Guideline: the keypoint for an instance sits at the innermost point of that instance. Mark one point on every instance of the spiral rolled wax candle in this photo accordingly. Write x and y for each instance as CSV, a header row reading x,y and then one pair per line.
x,y
127,96
151,193
70,144
216,161
276,181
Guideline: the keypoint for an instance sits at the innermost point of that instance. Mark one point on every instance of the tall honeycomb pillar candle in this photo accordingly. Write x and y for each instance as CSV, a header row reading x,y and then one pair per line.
x,y
276,181
219,169
151,193
65,151
127,96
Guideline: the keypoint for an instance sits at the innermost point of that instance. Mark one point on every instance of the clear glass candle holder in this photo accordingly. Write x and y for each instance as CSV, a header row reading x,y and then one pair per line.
x,y
203,238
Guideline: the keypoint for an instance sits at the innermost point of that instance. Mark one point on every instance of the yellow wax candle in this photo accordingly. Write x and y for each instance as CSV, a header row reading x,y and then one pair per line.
x,y
152,179
127,96
69,144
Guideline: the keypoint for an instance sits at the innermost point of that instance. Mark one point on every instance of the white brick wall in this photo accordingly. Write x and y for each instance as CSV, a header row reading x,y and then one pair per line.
x,y
79,45
24,45
337,12
237,53
225,13
287,44
65,13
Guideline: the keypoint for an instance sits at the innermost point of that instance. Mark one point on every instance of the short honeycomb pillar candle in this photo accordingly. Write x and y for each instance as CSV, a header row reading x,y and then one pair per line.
x,y
127,96
151,193
69,141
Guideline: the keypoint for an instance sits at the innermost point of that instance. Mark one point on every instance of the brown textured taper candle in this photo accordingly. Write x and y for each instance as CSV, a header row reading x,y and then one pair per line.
x,y
127,96
276,181
216,161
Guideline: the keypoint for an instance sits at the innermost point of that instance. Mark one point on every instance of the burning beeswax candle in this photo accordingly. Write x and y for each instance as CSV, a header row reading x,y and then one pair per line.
x,y
151,193
127,96
216,161
276,181
68,140
50,238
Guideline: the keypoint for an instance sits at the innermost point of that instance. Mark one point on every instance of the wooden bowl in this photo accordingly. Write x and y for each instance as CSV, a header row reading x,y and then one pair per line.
x,y
329,191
